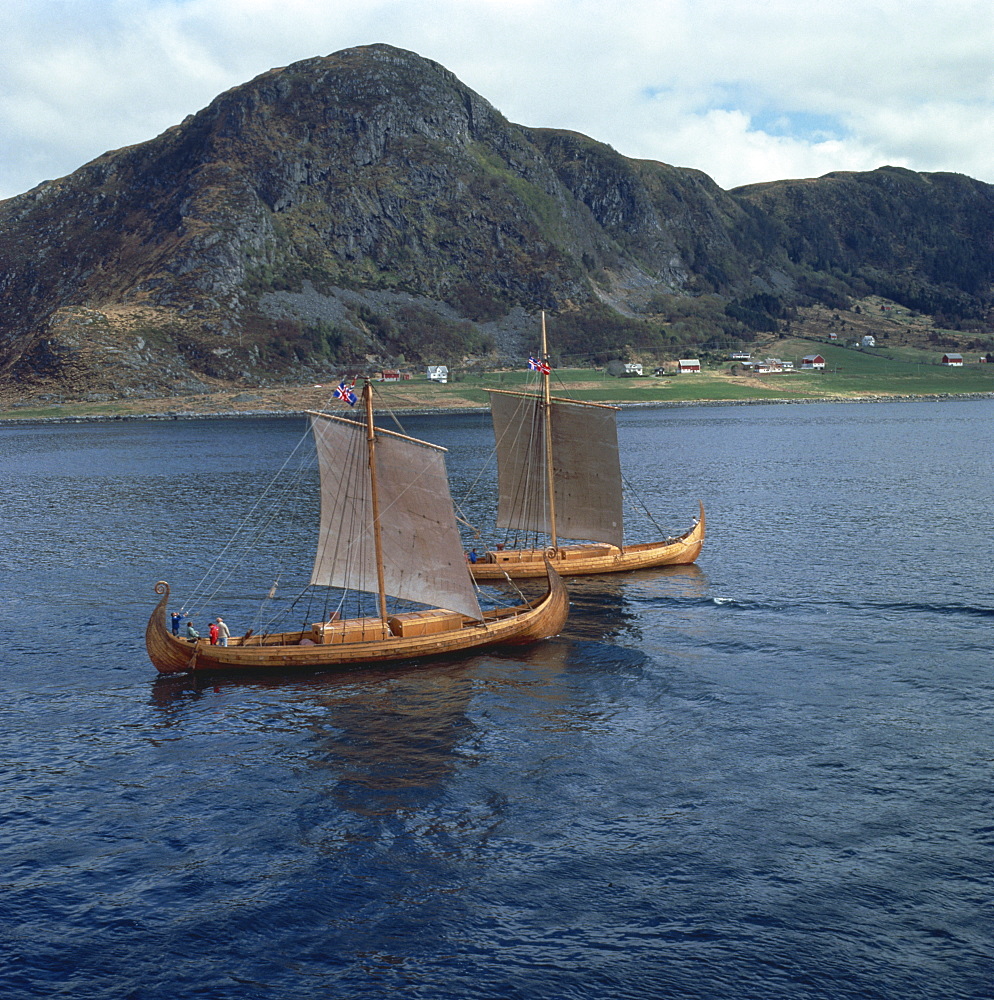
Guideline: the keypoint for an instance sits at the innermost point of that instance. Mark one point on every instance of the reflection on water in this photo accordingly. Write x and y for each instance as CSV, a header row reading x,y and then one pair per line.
x,y
612,606
386,739
666,581
387,746
384,730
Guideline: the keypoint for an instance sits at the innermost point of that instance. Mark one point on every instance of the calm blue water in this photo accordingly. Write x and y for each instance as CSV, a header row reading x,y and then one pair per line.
x,y
768,776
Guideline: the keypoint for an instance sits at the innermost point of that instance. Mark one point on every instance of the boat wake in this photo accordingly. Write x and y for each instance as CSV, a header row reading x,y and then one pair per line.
x,y
861,607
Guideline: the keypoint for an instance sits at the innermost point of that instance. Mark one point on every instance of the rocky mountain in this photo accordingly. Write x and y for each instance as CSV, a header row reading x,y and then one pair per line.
x,y
367,208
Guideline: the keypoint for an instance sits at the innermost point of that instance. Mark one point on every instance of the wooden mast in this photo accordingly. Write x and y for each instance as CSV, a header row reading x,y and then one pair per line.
x,y
550,481
367,398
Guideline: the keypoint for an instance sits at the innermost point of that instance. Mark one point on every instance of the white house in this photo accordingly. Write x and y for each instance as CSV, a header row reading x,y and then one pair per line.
x,y
868,341
773,366
438,373
633,369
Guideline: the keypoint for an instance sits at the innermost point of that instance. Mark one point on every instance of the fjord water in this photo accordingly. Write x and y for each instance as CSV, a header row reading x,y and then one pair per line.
x,y
770,775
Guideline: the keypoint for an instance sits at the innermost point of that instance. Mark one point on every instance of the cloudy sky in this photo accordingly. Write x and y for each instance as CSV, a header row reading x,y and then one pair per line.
x,y
745,90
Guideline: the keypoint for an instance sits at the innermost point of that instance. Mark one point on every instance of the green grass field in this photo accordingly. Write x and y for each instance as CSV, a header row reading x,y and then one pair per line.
x,y
848,374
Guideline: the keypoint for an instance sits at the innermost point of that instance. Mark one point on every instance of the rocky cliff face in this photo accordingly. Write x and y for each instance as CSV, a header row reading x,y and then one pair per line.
x,y
369,206
926,240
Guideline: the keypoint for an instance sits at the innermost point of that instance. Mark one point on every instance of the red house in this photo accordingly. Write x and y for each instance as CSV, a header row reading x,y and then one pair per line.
x,y
953,360
811,361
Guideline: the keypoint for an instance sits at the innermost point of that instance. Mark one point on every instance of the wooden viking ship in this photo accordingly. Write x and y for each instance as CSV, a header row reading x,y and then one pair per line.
x,y
387,527
559,475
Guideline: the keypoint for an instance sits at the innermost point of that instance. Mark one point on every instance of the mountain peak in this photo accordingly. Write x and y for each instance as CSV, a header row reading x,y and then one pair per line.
x,y
367,204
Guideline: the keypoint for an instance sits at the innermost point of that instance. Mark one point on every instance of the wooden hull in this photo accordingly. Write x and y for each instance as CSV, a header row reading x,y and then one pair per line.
x,y
582,560
524,623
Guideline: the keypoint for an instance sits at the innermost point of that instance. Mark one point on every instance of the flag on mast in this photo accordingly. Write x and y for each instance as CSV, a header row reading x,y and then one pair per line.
x,y
345,392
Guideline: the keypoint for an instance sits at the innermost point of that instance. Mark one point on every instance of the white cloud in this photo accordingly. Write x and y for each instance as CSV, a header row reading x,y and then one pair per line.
x,y
745,90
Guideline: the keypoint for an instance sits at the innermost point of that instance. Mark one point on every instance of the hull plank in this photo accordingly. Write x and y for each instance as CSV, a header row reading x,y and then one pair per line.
x,y
585,560
357,647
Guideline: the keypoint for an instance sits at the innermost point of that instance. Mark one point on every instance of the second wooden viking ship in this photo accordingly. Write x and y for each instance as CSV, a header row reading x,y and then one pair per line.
x,y
559,475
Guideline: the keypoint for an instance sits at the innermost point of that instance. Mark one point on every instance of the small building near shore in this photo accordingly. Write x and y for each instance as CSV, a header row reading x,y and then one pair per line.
x,y
689,365
953,360
438,373
632,368
771,366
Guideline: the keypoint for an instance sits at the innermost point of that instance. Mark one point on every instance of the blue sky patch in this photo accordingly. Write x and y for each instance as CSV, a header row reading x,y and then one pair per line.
x,y
766,116
799,125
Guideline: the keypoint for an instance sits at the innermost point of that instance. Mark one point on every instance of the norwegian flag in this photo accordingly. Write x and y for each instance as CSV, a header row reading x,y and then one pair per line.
x,y
345,392
537,365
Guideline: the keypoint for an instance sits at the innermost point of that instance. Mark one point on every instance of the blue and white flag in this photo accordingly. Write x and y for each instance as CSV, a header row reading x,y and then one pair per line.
x,y
345,392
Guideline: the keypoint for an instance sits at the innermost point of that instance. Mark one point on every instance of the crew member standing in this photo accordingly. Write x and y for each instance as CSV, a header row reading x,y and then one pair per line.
x,y
223,632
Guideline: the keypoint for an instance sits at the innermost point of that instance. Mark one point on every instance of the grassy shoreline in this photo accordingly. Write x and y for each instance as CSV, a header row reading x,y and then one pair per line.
x,y
849,376
9,420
